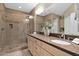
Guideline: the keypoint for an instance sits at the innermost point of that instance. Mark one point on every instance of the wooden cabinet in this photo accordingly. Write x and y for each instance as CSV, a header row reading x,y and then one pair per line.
x,y
53,50
42,52
35,48
39,48
31,45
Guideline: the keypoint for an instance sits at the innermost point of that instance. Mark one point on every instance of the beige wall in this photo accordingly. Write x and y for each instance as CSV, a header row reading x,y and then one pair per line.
x,y
2,8
50,17
17,16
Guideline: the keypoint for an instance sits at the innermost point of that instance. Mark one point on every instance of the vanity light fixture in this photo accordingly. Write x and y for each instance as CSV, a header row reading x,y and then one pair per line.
x,y
27,20
30,17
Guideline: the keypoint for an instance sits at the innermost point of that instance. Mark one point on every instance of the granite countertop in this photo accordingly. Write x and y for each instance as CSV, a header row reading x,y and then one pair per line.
x,y
72,48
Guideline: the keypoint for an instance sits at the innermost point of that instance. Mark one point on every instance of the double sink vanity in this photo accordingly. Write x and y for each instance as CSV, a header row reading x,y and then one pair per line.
x,y
41,45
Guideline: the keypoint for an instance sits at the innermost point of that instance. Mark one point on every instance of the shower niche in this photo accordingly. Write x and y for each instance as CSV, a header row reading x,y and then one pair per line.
x,y
11,26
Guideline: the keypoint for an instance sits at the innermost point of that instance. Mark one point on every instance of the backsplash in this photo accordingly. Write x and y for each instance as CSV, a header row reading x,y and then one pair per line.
x,y
58,34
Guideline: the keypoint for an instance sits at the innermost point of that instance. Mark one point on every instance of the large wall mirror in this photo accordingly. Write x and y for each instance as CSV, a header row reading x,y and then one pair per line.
x,y
58,18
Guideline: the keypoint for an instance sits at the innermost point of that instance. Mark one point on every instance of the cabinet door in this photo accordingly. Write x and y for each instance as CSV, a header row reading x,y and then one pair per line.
x,y
31,45
42,52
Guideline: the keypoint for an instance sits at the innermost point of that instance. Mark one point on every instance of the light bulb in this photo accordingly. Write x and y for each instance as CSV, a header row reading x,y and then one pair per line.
x,y
30,17
27,20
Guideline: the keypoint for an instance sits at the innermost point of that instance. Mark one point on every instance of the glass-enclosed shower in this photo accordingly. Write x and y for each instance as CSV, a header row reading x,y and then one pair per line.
x,y
12,34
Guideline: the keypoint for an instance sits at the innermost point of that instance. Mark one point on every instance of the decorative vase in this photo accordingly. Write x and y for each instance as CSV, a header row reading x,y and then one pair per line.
x,y
46,32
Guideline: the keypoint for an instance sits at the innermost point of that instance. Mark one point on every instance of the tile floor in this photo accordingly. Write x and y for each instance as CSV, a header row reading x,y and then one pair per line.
x,y
20,50
23,52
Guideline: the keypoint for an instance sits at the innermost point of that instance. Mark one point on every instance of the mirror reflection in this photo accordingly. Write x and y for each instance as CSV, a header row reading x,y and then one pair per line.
x,y
57,18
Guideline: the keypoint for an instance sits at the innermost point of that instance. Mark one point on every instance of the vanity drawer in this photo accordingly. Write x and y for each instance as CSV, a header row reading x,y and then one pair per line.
x,y
38,42
42,52
53,50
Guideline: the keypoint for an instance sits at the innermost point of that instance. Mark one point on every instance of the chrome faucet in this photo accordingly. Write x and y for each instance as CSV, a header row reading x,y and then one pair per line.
x,y
63,35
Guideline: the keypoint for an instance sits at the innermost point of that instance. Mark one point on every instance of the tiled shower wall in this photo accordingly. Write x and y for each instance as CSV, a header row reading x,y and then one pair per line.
x,y
13,28
15,35
2,32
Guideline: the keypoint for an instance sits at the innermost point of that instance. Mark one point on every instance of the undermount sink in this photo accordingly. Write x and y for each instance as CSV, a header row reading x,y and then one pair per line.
x,y
62,42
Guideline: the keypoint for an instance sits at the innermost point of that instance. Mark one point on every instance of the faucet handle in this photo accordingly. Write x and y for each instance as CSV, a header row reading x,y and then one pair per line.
x,y
70,38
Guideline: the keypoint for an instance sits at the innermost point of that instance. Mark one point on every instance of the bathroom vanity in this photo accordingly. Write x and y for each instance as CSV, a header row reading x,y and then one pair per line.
x,y
67,23
40,45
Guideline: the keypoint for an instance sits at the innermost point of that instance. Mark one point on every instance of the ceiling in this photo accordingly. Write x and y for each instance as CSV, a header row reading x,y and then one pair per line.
x,y
53,8
25,7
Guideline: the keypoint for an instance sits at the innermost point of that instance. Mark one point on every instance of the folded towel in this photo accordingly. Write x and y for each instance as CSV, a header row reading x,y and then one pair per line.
x,y
76,41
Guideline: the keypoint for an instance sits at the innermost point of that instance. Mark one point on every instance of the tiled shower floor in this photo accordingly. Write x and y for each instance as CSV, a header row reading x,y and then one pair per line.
x,y
20,50
23,52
